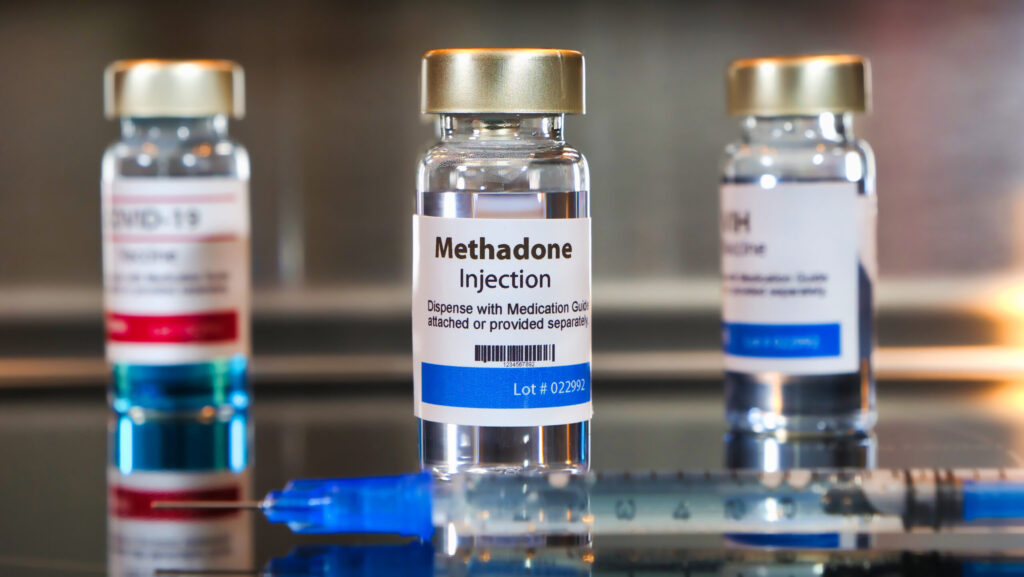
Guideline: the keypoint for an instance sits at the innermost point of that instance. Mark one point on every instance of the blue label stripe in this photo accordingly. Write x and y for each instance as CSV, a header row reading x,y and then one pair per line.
x,y
505,388
781,341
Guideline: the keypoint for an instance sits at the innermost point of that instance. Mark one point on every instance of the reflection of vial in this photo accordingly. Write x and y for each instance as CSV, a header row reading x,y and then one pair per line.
x,y
176,237
774,452
177,459
501,265
798,213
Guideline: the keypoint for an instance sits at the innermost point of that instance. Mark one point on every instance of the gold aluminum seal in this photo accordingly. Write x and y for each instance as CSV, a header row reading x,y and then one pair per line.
x,y
789,85
179,88
503,80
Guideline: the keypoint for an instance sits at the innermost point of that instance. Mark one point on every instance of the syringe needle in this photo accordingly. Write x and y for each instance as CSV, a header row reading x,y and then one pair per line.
x,y
234,505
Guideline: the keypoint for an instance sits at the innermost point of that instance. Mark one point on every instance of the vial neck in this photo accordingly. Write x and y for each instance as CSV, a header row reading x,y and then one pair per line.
x,y
798,129
506,127
174,129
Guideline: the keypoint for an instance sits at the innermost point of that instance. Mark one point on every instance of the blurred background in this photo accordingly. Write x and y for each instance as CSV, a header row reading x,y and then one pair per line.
x,y
334,132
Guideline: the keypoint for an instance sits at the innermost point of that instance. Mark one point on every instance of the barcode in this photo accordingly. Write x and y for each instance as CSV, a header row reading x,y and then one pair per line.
x,y
513,353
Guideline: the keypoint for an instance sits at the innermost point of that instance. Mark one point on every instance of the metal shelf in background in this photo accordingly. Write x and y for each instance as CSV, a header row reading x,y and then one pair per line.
x,y
960,364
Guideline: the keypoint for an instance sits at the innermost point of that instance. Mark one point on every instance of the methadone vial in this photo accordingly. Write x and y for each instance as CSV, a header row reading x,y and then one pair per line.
x,y
176,264
501,265
798,212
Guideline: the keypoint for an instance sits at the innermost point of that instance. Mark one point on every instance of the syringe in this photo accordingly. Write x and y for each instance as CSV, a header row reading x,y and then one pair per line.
x,y
726,502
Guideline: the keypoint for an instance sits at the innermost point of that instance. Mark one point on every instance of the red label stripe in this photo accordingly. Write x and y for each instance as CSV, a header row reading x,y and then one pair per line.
x,y
128,503
209,327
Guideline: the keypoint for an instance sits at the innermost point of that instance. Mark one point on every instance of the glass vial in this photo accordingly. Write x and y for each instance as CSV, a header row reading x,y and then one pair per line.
x,y
501,265
176,263
798,212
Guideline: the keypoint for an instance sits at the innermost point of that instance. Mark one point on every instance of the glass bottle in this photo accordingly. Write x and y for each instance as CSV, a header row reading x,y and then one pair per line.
x,y
496,387
798,214
176,237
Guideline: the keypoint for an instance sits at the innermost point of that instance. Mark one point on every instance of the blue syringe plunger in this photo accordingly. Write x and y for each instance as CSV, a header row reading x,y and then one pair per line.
x,y
398,504
993,500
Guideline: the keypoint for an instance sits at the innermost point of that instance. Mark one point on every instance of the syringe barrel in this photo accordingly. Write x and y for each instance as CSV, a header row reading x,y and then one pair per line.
x,y
724,502
493,505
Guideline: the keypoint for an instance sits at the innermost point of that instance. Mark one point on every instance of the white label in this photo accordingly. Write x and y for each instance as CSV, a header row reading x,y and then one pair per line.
x,y
143,540
501,321
790,275
176,269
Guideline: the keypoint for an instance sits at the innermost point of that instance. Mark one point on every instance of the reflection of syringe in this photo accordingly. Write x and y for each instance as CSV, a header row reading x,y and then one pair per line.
x,y
794,502
419,560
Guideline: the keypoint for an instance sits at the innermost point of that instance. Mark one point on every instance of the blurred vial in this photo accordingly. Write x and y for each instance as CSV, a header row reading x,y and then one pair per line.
x,y
501,273
176,237
798,212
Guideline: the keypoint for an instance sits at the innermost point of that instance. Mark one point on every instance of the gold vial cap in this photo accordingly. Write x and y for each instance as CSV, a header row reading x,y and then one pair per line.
x,y
173,88
792,85
503,80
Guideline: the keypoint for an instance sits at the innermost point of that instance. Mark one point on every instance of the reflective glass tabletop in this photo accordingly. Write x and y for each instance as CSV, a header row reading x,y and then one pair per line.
x,y
61,448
